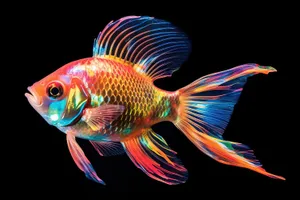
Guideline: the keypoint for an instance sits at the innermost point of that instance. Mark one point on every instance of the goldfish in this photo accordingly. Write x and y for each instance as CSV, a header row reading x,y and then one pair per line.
x,y
110,100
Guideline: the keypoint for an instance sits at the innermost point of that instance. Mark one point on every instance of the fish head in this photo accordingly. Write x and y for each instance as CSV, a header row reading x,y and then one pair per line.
x,y
59,98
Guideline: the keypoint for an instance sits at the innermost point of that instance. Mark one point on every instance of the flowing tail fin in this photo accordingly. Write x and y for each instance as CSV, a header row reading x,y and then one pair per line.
x,y
205,109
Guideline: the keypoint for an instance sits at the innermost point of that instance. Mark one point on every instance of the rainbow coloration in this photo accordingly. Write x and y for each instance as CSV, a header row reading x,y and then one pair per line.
x,y
110,100
110,82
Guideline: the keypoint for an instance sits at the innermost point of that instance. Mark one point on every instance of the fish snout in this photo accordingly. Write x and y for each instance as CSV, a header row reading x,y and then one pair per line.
x,y
33,97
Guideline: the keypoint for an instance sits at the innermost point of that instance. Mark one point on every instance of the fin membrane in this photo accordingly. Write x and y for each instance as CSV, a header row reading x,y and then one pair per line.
x,y
204,112
108,148
226,152
150,153
208,102
151,46
102,116
81,160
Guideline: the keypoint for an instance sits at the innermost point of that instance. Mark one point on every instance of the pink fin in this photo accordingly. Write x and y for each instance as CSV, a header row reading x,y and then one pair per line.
x,y
153,47
101,116
108,148
150,153
81,160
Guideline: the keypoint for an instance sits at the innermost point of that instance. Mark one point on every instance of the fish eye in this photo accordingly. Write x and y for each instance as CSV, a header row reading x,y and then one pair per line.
x,y
55,90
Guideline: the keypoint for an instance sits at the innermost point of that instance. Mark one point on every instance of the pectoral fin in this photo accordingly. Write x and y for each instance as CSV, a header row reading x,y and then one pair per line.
x,y
150,153
81,160
101,116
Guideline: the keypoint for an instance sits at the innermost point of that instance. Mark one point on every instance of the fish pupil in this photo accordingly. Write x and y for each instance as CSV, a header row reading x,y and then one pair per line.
x,y
55,90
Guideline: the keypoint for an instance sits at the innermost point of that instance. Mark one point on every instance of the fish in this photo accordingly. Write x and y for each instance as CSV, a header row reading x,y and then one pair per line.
x,y
110,100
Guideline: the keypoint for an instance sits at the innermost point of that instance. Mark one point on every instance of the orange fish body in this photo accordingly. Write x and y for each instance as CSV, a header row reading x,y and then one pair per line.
x,y
110,100
111,82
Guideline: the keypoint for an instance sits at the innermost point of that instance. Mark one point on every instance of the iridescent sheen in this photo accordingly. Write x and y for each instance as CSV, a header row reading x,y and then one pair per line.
x,y
110,100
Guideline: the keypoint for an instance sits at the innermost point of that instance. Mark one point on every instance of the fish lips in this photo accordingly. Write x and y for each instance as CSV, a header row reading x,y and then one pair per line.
x,y
33,98
36,102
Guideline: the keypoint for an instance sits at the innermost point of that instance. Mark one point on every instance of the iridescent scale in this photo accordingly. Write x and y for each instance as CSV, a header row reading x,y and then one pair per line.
x,y
110,82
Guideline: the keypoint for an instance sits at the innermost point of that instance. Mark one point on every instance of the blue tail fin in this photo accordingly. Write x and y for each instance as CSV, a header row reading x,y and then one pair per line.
x,y
205,109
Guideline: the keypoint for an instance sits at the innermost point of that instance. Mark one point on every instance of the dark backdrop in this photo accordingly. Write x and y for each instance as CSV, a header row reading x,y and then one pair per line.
x,y
47,37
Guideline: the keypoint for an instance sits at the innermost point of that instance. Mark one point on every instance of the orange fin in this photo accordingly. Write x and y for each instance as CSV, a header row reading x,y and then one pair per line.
x,y
101,116
226,152
81,160
150,153
108,148
205,109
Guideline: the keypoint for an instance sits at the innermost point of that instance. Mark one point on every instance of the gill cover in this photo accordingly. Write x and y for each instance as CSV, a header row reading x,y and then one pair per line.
x,y
65,111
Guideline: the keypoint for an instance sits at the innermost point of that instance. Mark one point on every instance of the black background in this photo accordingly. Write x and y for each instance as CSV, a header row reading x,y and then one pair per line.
x,y
47,37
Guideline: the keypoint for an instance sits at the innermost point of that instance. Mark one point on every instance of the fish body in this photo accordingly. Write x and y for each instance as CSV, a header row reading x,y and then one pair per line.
x,y
111,82
110,100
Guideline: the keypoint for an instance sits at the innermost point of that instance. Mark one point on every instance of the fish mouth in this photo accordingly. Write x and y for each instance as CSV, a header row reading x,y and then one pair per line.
x,y
33,97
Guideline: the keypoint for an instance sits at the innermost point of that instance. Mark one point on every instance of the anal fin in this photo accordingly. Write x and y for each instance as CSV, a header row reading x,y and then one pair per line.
x,y
108,148
150,153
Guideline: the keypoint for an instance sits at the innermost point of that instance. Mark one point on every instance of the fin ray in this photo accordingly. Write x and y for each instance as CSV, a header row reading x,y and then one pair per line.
x,y
101,116
205,108
150,153
108,148
142,41
210,100
81,160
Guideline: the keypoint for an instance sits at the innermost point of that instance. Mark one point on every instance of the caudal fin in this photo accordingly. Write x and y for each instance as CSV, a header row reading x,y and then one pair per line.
x,y
205,109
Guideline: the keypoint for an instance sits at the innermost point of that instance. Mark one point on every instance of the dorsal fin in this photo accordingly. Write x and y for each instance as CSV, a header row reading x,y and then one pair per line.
x,y
151,46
